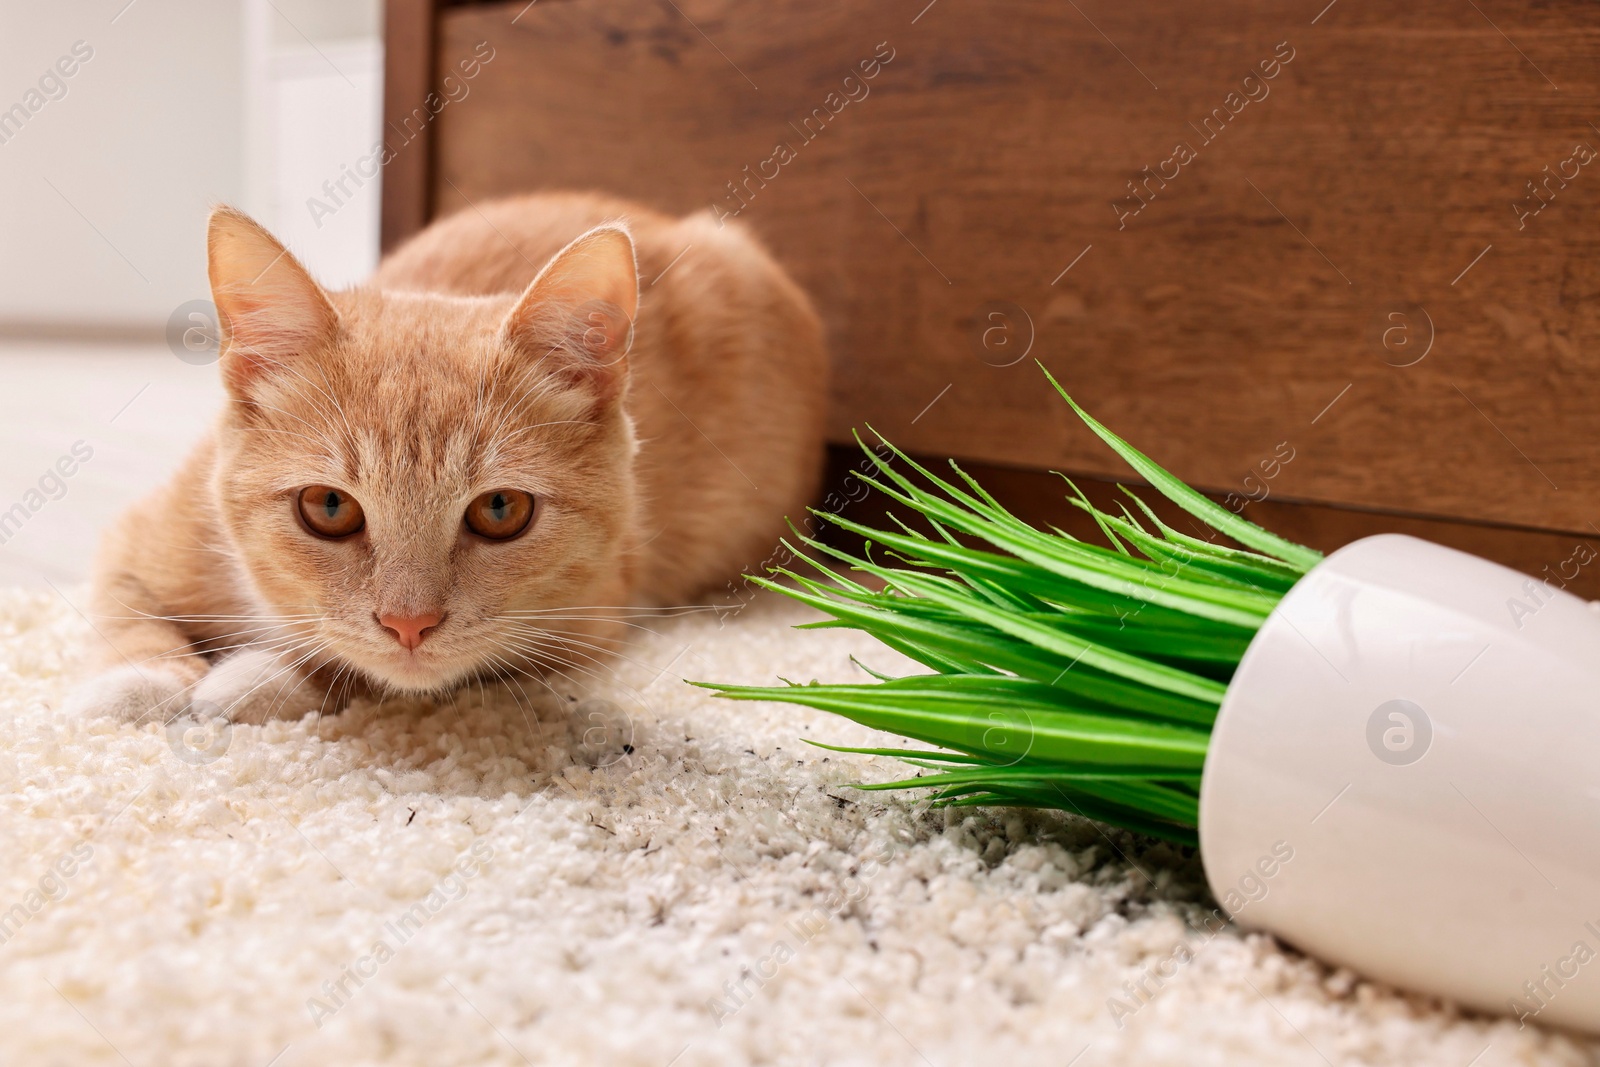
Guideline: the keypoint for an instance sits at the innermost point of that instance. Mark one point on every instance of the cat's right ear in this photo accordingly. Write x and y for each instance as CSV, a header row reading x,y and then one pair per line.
x,y
576,317
269,308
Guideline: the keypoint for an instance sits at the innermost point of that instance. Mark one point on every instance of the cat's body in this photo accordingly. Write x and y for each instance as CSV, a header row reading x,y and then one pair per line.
x,y
427,407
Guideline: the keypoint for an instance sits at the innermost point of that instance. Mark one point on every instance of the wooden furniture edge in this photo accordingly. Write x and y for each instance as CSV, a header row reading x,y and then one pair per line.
x,y
409,40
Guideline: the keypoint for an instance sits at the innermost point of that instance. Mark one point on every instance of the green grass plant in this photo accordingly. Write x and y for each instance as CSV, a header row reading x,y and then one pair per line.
x,y
1059,673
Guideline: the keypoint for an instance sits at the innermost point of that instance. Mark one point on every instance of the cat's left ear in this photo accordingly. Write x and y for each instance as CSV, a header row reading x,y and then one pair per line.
x,y
271,309
577,316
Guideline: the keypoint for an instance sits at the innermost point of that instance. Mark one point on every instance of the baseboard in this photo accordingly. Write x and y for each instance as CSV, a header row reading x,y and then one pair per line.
x,y
133,331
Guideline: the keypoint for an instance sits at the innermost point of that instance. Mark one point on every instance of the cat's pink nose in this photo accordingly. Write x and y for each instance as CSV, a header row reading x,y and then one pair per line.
x,y
409,630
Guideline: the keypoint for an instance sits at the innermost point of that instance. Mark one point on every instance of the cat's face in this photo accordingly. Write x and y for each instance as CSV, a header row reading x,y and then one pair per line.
x,y
423,487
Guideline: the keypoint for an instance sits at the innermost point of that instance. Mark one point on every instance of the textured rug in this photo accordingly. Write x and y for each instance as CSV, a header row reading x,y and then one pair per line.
x,y
626,872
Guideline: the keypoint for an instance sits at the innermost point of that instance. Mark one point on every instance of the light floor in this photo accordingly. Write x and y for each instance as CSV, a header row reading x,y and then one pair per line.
x,y
138,407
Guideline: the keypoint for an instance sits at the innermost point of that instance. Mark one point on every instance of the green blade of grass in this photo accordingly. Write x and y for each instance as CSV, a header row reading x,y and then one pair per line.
x,y
1207,511
1029,775
1282,570
995,724
1235,571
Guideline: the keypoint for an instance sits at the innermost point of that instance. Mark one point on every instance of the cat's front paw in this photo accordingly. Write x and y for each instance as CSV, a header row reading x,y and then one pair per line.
x,y
133,694
253,686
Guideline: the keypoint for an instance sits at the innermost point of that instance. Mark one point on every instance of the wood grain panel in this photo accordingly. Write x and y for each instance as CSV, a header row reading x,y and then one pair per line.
x,y
408,42
1247,306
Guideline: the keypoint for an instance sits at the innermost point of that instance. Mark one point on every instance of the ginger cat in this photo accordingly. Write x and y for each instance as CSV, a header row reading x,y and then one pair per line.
x,y
471,465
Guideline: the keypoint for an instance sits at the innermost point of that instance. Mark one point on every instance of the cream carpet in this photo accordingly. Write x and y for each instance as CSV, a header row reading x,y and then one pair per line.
x,y
660,879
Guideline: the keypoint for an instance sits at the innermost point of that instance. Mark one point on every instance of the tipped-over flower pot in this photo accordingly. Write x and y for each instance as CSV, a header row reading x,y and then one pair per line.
x,y
1404,778
1389,757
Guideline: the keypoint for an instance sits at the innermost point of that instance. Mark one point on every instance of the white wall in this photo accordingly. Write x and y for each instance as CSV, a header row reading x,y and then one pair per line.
x,y
319,111
326,113
183,104
145,139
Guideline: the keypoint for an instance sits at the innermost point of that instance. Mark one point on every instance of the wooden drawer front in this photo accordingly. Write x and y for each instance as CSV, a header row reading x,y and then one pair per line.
x,y
1344,262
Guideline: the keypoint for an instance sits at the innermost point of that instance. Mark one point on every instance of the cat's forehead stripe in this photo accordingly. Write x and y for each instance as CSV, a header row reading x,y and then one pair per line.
x,y
408,452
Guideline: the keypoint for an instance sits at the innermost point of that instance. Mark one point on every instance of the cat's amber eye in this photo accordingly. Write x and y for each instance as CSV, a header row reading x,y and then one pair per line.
x,y
500,514
329,512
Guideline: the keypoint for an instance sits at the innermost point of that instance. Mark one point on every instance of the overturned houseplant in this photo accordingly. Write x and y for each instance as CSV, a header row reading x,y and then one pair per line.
x,y
1396,763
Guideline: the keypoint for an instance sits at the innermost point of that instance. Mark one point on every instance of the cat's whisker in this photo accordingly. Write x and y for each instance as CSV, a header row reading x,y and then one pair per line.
x,y
267,644
603,652
219,653
598,656
553,617
265,637
343,668
286,669
212,638
207,644
630,609
541,388
526,703
493,655
263,683
545,662
520,706
521,626
139,614
219,618
283,649
582,618
206,650
542,655
351,437
182,695
573,643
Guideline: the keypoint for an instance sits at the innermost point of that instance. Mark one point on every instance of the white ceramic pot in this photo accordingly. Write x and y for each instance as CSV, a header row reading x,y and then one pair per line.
x,y
1404,778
